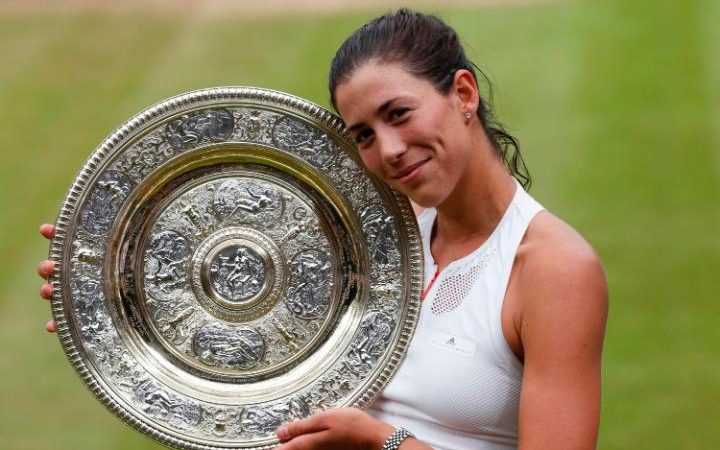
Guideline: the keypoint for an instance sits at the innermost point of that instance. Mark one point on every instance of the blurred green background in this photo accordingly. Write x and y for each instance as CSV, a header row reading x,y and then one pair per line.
x,y
616,104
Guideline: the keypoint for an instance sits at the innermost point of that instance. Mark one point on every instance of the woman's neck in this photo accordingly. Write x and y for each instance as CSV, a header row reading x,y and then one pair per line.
x,y
470,214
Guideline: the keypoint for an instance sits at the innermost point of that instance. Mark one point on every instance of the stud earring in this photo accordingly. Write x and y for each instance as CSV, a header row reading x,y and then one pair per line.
x,y
468,116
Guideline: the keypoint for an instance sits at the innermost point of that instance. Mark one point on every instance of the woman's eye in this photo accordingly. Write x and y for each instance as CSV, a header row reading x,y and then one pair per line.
x,y
363,136
398,113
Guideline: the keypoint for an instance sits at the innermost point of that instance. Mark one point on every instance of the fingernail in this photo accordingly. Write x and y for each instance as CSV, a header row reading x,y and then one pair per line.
x,y
283,433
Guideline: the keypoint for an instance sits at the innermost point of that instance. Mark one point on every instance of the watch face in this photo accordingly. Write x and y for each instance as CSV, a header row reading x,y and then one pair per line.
x,y
225,265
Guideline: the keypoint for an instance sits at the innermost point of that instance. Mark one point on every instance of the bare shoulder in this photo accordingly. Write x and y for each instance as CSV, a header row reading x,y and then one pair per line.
x,y
552,252
559,286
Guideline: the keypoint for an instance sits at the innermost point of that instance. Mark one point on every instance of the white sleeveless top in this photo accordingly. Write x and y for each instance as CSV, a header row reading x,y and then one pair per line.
x,y
459,386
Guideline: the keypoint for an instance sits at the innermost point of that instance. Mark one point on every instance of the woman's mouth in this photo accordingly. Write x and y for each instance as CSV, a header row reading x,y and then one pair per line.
x,y
409,173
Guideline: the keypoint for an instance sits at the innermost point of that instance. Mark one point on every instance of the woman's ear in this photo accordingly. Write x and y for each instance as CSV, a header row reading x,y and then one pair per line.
x,y
466,91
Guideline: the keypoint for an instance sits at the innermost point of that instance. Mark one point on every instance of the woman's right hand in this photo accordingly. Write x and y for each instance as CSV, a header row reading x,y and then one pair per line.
x,y
45,269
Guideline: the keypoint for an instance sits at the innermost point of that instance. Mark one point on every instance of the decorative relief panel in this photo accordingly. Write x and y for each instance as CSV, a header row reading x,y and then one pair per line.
x,y
190,130
247,201
166,265
112,189
239,347
311,284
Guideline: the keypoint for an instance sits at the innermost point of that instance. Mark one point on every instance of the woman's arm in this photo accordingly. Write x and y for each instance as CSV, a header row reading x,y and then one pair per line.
x,y
564,301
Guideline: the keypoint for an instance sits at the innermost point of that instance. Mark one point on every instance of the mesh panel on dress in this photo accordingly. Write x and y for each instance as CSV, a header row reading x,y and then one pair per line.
x,y
456,287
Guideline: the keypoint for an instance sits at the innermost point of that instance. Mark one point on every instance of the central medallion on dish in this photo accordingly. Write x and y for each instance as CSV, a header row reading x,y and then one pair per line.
x,y
235,274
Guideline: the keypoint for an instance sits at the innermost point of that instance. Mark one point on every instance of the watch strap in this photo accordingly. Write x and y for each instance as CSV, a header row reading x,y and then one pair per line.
x,y
396,438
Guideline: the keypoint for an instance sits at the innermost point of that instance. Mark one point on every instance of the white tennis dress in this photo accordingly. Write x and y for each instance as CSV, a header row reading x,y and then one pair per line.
x,y
459,386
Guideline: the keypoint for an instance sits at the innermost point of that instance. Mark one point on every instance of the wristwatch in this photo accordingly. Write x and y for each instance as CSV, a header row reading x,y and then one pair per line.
x,y
393,442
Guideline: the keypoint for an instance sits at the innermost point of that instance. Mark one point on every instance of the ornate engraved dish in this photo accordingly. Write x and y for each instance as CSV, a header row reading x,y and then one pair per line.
x,y
225,264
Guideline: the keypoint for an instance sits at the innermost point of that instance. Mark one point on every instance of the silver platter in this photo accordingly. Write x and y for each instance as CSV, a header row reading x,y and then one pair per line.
x,y
225,265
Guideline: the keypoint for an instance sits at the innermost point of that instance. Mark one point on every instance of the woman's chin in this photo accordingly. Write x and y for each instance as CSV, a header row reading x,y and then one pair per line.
x,y
424,199
419,192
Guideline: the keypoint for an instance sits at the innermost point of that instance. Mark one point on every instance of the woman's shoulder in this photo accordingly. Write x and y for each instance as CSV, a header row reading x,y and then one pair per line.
x,y
551,244
557,296
556,264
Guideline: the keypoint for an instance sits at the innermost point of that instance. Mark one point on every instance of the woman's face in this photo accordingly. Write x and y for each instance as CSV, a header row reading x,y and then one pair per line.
x,y
412,136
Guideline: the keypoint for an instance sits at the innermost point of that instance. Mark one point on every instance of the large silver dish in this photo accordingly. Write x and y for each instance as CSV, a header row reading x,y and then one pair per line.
x,y
225,264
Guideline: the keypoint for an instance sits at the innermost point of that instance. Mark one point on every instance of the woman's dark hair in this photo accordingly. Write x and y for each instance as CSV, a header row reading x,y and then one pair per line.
x,y
430,49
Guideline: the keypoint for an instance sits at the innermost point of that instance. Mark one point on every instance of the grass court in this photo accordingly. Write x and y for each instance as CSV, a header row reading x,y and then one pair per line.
x,y
616,104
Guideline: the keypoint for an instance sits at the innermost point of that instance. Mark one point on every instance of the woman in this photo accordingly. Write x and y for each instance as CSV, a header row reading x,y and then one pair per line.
x,y
507,352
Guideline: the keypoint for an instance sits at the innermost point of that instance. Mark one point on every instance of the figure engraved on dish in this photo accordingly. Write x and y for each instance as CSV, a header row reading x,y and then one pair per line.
x,y
105,202
373,338
289,337
165,259
317,148
348,176
159,404
289,132
254,125
190,130
222,421
301,225
124,370
87,296
237,273
311,284
87,254
379,229
87,258
385,297
263,421
172,319
201,221
332,388
251,198
236,348
191,215
145,156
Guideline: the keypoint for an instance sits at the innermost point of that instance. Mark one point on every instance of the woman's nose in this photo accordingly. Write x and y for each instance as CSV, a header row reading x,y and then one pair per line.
x,y
391,147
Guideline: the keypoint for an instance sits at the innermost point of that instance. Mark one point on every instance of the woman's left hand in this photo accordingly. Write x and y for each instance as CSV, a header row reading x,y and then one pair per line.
x,y
345,428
